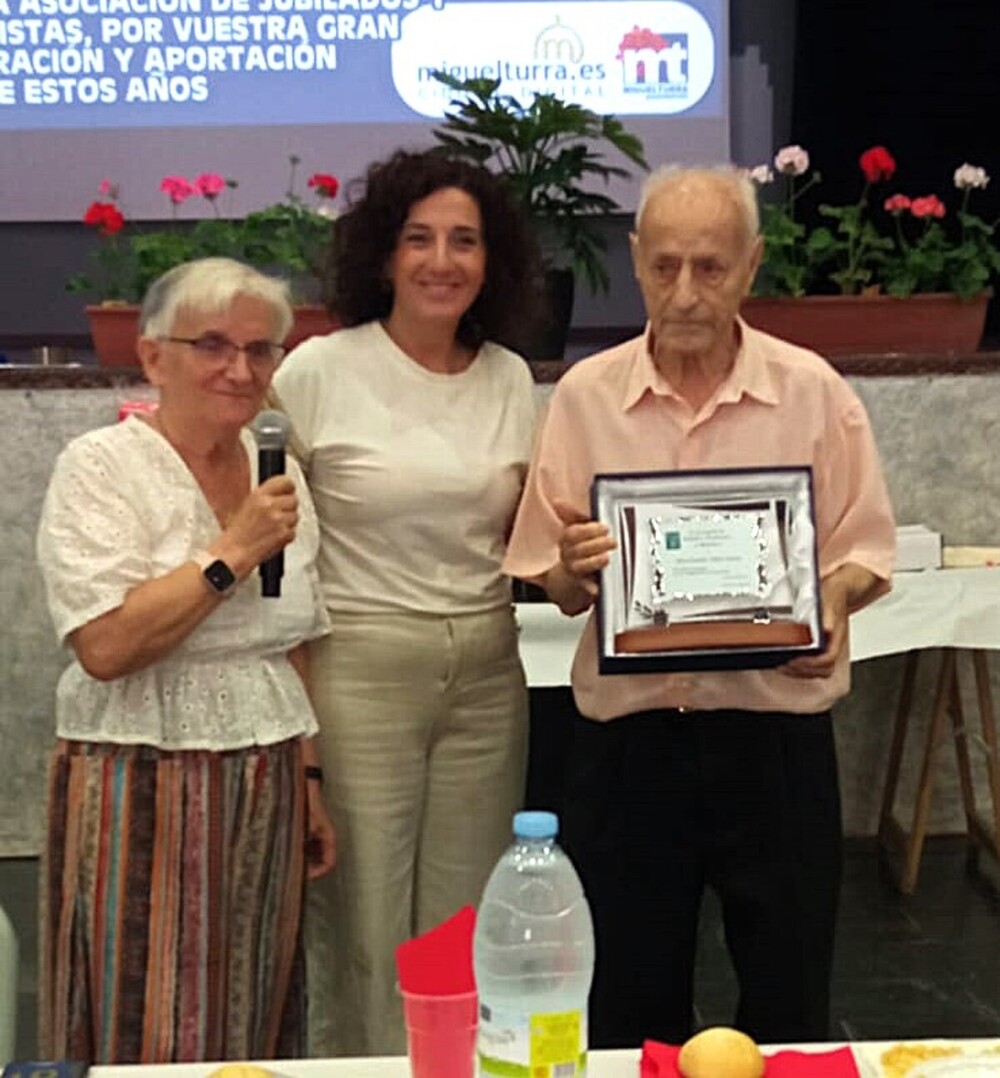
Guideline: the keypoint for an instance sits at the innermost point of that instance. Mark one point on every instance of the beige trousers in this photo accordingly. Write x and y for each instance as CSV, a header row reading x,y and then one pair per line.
x,y
423,739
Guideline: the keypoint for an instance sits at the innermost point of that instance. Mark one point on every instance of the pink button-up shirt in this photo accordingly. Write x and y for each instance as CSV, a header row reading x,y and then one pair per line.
x,y
780,405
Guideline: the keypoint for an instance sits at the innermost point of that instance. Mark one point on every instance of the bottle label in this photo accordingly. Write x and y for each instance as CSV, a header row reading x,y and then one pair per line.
x,y
521,1045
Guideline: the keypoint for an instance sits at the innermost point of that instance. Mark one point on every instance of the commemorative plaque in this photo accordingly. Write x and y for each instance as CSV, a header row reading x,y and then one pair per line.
x,y
714,570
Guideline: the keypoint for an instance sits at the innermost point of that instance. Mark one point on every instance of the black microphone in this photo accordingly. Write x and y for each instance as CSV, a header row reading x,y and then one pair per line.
x,y
271,429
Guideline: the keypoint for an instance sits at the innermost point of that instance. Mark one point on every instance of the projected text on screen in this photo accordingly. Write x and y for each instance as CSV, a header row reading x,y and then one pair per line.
x,y
155,63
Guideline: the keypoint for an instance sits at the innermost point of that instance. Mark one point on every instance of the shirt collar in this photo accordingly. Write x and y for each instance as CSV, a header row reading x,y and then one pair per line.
x,y
750,374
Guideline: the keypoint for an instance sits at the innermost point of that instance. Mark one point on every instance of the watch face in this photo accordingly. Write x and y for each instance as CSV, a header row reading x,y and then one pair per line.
x,y
220,576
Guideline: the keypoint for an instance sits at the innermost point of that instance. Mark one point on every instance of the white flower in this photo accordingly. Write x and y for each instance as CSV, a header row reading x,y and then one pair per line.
x,y
970,176
329,212
791,160
761,175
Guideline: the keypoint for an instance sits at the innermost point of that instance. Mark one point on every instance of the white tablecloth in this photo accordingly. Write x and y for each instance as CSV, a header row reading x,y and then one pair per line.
x,y
616,1064
936,608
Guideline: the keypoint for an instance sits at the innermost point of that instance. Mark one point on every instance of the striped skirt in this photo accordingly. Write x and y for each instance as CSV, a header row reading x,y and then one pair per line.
x,y
171,905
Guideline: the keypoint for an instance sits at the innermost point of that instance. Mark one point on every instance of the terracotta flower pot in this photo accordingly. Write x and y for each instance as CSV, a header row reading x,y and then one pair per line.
x,y
114,329
311,320
927,323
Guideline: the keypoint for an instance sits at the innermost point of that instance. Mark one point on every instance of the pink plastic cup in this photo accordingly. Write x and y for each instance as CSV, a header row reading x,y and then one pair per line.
x,y
441,1034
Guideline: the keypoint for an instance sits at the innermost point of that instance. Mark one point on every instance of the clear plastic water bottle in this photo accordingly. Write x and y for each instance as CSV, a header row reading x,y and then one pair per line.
x,y
533,954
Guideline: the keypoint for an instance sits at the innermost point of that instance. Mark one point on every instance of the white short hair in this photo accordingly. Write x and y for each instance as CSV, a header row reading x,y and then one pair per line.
x,y
743,192
209,286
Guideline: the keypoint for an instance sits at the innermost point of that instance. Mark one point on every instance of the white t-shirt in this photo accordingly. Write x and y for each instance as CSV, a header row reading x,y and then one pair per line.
x,y
123,508
415,475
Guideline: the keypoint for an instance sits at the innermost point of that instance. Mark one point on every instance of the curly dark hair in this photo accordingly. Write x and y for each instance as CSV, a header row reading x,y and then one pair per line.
x,y
365,236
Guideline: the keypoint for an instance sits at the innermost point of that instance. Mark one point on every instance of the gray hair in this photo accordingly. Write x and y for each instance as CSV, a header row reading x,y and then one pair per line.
x,y
209,286
741,188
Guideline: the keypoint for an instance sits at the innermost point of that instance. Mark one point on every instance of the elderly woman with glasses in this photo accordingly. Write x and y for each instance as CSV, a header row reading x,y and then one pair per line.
x,y
184,809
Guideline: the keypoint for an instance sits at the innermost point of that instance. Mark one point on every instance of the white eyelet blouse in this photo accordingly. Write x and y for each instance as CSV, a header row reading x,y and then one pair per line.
x,y
123,508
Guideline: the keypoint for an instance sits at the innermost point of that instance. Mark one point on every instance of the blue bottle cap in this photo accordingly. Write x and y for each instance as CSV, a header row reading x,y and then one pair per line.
x,y
536,824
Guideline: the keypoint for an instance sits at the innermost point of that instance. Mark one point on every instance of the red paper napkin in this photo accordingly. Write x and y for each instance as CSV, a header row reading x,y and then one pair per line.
x,y
439,963
131,407
660,1061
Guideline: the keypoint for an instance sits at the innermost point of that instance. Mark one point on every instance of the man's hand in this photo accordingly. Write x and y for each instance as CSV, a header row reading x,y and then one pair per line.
x,y
847,589
584,549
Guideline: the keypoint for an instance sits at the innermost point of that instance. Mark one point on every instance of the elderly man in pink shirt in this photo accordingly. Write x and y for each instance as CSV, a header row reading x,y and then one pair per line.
x,y
726,779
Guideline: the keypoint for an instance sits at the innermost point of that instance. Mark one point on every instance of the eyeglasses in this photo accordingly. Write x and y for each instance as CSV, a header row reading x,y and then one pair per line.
x,y
217,348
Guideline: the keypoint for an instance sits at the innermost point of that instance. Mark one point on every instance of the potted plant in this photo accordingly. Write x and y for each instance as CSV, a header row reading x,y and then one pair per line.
x,y
288,238
551,153
886,273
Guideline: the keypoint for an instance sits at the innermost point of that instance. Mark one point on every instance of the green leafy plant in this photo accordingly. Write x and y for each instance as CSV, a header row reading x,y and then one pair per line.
x,y
550,152
289,237
900,246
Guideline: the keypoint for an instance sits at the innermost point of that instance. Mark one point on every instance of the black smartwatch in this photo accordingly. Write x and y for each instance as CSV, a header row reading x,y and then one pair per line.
x,y
216,574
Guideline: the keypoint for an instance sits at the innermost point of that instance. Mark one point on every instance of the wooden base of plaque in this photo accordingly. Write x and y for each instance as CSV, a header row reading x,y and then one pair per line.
x,y
702,635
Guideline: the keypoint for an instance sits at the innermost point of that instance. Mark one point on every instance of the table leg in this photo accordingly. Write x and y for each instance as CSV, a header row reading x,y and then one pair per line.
x,y
962,752
925,784
988,724
899,730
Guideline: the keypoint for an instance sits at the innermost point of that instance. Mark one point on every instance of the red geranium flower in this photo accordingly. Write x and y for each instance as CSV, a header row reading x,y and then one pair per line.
x,y
105,216
929,206
877,164
325,184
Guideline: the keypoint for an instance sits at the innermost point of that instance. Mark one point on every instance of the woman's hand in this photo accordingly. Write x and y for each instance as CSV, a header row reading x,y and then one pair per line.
x,y
264,524
321,839
159,614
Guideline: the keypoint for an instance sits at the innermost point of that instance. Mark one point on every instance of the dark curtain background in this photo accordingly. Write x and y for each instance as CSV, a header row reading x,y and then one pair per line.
x,y
920,78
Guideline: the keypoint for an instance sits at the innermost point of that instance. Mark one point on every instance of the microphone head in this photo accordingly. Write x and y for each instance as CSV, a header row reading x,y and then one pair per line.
x,y
271,429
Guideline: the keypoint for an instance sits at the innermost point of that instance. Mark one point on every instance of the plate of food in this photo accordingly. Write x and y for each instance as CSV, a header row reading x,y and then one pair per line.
x,y
969,1067
930,1059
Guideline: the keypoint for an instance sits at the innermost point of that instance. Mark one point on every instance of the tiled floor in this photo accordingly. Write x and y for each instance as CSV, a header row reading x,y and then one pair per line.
x,y
926,965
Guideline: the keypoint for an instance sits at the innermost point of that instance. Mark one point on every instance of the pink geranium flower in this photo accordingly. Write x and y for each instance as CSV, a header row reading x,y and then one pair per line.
x,y
791,160
177,189
210,184
760,175
897,204
929,206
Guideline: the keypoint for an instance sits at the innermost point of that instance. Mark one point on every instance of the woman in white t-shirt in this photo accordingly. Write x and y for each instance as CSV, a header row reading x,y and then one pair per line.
x,y
183,811
414,429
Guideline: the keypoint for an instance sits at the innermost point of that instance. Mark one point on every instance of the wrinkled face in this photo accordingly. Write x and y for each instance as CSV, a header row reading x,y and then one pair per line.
x,y
202,383
439,263
694,262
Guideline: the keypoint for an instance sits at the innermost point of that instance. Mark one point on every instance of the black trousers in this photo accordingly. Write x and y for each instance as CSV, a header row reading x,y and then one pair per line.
x,y
660,805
